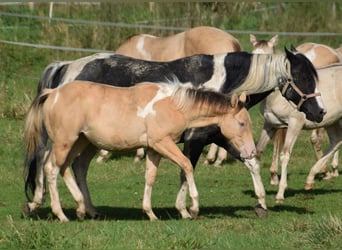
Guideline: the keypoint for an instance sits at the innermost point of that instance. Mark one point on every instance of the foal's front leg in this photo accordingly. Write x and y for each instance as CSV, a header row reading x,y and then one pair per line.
x,y
168,148
254,168
152,162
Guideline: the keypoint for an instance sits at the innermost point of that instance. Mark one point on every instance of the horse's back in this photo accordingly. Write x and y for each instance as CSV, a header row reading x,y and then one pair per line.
x,y
198,40
209,40
319,54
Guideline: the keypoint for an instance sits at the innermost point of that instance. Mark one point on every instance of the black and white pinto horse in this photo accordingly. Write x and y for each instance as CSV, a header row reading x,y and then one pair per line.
x,y
228,73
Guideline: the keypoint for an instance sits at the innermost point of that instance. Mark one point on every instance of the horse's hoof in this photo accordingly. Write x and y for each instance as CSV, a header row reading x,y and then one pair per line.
x,y
193,213
80,216
261,212
308,186
98,216
279,200
274,180
25,211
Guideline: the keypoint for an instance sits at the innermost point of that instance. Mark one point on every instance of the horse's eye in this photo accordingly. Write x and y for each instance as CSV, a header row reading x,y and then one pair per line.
x,y
242,124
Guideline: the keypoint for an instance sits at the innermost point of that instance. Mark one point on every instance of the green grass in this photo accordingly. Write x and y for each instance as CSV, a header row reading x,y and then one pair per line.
x,y
226,220
306,219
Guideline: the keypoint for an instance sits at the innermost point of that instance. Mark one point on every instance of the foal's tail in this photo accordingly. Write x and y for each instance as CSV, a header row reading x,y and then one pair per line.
x,y
33,138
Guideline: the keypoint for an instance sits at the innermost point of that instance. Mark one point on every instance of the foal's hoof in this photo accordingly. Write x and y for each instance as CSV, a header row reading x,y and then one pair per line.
x,y
261,212
308,186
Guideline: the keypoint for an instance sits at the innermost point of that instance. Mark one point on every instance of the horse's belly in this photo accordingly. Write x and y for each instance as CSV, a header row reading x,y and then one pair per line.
x,y
117,139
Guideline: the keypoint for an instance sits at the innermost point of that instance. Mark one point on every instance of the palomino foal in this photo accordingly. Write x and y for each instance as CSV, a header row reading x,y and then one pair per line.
x,y
81,116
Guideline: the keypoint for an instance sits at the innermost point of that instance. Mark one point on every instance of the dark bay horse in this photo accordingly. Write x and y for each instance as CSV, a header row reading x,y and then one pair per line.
x,y
228,73
117,118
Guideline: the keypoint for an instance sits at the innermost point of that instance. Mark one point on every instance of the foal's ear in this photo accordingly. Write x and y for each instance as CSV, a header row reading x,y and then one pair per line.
x,y
234,100
243,97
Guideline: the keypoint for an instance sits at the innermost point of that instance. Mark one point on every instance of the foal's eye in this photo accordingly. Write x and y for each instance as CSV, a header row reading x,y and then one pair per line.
x,y
242,124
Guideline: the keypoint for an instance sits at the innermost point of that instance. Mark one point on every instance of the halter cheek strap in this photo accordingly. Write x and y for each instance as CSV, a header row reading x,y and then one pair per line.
x,y
303,97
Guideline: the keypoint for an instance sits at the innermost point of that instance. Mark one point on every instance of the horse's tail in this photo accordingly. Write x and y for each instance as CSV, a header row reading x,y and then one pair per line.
x,y
52,75
33,139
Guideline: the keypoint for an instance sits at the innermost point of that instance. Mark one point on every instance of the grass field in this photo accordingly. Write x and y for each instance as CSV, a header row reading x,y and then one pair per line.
x,y
306,219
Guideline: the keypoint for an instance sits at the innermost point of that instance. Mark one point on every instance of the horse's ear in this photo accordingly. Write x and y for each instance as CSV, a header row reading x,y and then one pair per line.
x,y
243,97
289,54
252,39
273,41
293,48
234,100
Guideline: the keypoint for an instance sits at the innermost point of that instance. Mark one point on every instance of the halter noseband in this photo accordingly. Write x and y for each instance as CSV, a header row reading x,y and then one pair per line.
x,y
286,83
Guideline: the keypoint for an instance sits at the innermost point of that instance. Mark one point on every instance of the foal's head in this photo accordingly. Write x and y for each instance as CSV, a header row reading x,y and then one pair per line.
x,y
236,126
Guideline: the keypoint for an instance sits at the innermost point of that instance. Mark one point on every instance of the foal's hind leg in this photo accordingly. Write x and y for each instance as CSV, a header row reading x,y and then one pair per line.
x,y
62,154
39,192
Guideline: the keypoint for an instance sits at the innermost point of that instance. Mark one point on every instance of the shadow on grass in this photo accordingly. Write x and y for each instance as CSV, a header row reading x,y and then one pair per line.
x,y
170,213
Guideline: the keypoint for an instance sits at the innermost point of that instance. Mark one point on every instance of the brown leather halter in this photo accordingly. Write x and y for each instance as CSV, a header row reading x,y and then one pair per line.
x,y
303,97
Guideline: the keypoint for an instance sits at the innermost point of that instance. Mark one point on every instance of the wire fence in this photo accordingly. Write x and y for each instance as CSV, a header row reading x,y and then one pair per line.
x,y
139,25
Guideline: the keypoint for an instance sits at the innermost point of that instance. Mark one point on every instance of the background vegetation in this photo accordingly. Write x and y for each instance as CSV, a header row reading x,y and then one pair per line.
x,y
306,219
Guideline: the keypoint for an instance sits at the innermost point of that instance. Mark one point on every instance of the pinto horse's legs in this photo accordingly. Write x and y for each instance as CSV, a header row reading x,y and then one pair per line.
x,y
80,167
335,139
152,162
222,155
295,124
266,134
139,155
211,155
278,143
212,158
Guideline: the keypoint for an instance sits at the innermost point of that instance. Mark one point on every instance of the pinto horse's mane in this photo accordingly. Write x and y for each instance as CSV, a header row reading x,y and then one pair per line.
x,y
186,98
258,77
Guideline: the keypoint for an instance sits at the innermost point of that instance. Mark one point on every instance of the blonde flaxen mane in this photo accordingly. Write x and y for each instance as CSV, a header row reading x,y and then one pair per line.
x,y
259,77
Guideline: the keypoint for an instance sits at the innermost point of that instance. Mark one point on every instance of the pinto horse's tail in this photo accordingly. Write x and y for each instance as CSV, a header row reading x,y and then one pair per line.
x,y
52,75
33,139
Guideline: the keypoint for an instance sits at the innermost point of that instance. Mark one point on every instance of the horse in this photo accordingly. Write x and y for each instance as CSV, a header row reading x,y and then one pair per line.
x,y
198,40
275,123
83,116
227,73
217,155
278,114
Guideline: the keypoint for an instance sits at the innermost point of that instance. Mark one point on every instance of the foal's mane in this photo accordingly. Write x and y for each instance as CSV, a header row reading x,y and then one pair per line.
x,y
187,98
265,69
